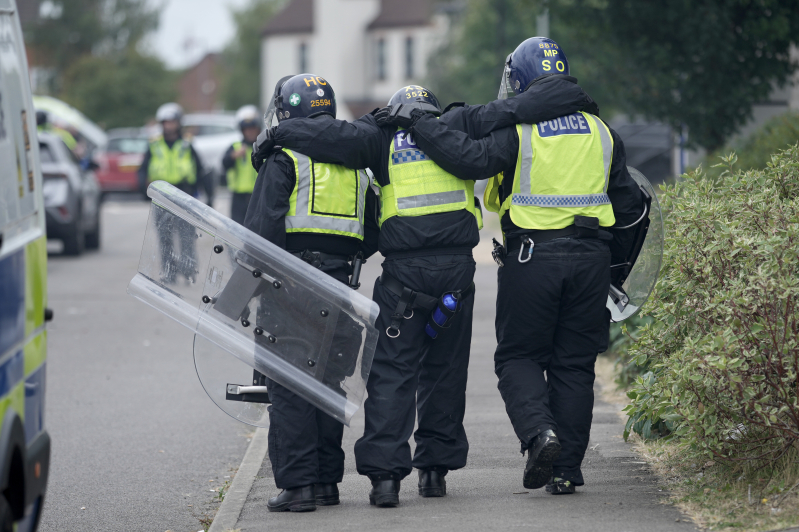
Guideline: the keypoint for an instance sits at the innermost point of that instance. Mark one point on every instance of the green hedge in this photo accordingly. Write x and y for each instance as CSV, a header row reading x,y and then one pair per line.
x,y
723,346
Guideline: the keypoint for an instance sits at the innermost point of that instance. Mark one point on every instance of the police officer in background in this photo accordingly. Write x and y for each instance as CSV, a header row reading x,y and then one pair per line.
x,y
559,187
43,124
171,157
429,225
323,214
236,162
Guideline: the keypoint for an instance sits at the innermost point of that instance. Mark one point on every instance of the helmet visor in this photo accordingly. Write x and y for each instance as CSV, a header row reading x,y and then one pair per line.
x,y
269,115
505,90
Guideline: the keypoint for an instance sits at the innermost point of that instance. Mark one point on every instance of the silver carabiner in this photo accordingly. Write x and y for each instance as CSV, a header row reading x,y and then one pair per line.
x,y
527,240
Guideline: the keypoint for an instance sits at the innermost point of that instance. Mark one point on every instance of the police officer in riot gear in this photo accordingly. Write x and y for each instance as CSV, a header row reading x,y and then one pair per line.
x,y
323,214
236,162
429,225
171,157
559,187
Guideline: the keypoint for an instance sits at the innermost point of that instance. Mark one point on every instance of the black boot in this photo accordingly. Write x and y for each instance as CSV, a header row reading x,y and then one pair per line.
x,y
326,494
385,493
432,483
294,500
559,486
542,451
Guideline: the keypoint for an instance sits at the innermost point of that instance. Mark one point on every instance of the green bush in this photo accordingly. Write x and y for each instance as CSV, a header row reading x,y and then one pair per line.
x,y
722,349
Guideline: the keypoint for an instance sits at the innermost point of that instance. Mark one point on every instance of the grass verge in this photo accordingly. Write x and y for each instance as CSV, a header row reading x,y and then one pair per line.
x,y
716,496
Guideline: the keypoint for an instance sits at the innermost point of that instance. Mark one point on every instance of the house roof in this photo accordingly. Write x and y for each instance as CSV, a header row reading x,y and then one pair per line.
x,y
297,17
399,13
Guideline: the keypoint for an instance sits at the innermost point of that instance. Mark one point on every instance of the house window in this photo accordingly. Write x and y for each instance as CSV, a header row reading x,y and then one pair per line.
x,y
381,59
409,57
303,53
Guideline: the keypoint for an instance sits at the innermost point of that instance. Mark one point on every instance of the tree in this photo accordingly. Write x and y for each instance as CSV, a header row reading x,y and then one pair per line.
x,y
73,29
242,56
119,90
697,63
469,66
701,63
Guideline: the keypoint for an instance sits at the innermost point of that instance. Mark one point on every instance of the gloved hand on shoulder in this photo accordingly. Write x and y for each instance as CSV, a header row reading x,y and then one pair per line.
x,y
399,115
263,147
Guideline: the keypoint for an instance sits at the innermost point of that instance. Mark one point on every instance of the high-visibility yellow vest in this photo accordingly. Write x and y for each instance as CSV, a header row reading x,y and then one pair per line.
x,y
418,186
327,198
63,134
241,178
173,165
562,171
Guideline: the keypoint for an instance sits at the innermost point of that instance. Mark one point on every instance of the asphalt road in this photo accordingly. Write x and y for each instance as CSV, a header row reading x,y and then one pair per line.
x,y
137,445
620,494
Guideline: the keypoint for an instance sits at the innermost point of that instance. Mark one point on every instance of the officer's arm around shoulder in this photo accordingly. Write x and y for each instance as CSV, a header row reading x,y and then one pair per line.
x,y
349,144
547,100
266,214
462,156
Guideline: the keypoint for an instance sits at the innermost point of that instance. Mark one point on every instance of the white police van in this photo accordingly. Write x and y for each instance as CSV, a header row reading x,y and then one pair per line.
x,y
24,444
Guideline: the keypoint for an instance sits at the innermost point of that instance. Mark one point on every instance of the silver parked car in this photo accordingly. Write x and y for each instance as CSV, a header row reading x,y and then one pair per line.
x,y
211,135
71,196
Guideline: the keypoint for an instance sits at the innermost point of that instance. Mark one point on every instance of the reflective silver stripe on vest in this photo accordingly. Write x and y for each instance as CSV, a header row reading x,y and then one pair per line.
x,y
302,220
581,200
607,148
527,159
431,200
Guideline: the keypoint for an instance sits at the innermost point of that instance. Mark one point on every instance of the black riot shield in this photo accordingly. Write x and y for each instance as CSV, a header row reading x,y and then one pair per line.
x,y
635,278
245,297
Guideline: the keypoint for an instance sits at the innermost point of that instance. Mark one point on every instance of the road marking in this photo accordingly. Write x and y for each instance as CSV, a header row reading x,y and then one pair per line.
x,y
229,511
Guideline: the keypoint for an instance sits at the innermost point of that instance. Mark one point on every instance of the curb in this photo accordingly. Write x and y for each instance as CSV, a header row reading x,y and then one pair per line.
x,y
229,511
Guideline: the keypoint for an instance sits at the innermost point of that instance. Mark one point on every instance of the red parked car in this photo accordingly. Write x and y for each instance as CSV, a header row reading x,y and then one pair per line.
x,y
120,159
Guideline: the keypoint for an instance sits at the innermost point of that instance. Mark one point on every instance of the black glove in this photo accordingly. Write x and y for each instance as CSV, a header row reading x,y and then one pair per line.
x,y
399,115
263,147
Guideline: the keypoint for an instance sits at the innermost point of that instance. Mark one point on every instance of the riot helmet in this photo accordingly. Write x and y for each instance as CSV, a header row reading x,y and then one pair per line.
x,y
304,96
169,111
417,96
248,116
534,58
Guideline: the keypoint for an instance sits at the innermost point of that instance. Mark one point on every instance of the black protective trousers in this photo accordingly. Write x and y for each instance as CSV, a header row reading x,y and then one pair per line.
x,y
551,318
415,375
238,206
304,442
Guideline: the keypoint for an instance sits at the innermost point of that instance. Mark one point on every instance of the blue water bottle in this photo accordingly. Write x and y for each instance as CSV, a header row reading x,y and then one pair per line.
x,y
451,302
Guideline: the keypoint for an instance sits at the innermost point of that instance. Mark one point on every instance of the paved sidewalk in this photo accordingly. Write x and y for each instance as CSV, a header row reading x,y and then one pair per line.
x,y
620,493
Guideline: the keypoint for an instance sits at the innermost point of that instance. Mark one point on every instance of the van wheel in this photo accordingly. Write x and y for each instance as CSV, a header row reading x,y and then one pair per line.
x,y
6,518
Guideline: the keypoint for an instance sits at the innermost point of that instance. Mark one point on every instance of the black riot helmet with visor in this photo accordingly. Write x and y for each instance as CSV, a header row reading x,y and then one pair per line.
x,y
533,59
301,96
417,96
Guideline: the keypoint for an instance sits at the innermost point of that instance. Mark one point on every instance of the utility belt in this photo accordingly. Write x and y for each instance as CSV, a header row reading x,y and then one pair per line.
x,y
583,227
442,308
316,258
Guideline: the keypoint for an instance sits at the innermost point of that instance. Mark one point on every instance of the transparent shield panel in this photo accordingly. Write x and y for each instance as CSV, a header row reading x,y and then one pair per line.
x,y
641,281
270,310
218,370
